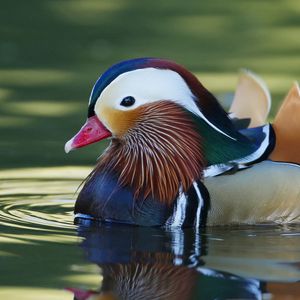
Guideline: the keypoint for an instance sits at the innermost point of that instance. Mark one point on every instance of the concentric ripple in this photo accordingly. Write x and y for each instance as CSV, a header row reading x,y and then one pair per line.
x,y
37,204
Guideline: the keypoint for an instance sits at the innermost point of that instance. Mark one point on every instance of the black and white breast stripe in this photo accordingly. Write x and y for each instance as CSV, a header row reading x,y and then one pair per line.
x,y
191,208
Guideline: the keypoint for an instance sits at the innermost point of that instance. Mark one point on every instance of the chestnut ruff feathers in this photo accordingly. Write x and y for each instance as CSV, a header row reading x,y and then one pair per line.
x,y
159,154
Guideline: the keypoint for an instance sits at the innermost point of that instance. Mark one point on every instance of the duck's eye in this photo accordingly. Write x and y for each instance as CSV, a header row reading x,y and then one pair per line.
x,y
127,101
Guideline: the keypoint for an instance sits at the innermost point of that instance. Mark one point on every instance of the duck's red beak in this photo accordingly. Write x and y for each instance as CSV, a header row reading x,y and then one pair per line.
x,y
92,131
81,294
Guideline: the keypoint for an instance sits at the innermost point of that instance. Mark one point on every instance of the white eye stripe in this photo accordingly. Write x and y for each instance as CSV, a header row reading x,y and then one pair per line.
x,y
150,85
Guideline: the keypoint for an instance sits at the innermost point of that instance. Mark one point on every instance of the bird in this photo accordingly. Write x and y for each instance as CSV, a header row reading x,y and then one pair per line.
x,y
176,158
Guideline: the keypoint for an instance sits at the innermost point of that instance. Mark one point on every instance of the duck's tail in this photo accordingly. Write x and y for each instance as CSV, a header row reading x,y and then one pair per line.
x,y
287,128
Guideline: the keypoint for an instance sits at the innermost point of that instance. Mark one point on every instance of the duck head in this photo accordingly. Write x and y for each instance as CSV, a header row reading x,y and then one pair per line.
x,y
164,126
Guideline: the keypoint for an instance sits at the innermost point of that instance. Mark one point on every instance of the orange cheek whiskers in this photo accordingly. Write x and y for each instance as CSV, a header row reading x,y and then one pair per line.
x,y
120,122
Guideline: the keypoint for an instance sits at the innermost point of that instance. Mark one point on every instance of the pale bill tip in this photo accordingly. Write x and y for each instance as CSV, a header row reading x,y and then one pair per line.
x,y
68,146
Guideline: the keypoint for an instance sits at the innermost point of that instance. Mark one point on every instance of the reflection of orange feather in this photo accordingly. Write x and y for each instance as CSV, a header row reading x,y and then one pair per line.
x,y
149,281
287,128
160,153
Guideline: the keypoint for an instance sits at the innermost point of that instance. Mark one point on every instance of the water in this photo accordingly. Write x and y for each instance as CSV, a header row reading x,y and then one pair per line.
x,y
43,255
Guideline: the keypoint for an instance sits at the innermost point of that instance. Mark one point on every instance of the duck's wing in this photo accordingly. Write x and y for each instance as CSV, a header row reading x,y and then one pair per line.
x,y
263,138
252,100
263,141
287,128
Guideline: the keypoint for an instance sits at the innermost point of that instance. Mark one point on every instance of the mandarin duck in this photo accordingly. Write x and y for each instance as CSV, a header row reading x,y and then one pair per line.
x,y
177,158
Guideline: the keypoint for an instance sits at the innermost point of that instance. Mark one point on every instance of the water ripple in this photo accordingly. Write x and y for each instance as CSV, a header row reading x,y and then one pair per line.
x,y
42,205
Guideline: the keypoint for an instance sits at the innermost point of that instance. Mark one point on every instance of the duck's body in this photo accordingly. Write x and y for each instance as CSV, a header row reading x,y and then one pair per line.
x,y
168,135
267,192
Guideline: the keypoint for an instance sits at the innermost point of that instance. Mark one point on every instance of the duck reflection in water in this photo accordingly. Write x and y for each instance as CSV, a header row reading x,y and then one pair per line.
x,y
153,263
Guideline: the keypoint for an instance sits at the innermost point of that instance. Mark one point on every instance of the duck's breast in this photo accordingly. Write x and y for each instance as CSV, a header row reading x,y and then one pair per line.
x,y
103,199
